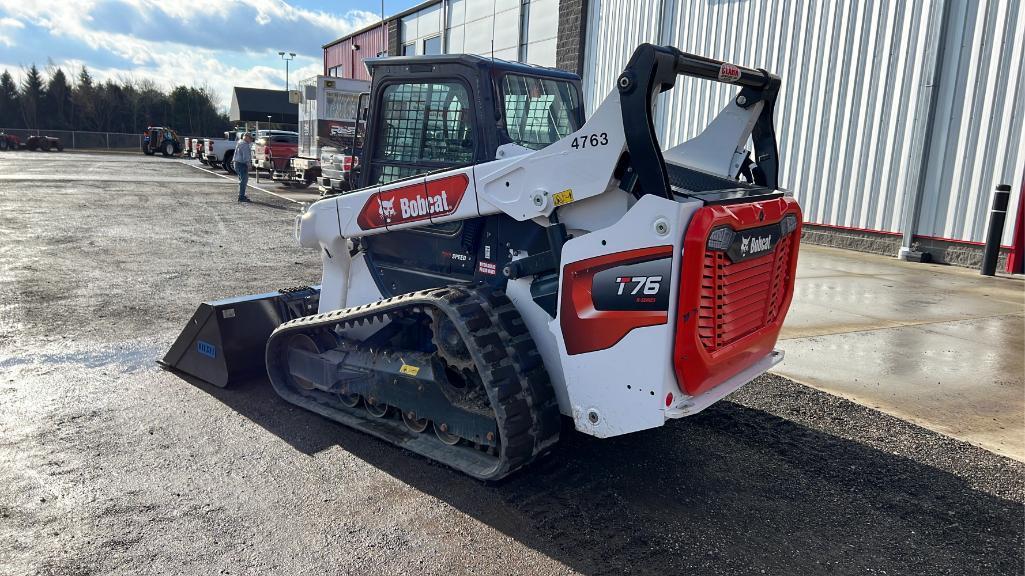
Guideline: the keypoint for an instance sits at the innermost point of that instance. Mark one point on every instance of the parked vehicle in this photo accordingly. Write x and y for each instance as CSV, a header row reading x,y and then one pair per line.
x,y
336,168
10,142
187,146
273,151
44,143
329,111
159,139
197,150
221,151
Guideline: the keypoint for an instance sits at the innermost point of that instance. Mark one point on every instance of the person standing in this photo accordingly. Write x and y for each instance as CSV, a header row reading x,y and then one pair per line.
x,y
242,158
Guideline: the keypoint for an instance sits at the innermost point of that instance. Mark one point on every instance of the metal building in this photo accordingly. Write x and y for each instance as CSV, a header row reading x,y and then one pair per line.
x,y
896,119
344,57
541,32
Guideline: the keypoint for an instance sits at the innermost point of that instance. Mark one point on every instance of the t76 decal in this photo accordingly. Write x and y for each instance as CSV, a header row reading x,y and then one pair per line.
x,y
413,203
640,286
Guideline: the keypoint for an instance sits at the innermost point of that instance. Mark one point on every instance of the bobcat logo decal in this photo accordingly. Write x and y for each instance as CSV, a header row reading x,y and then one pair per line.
x,y
755,244
387,209
415,202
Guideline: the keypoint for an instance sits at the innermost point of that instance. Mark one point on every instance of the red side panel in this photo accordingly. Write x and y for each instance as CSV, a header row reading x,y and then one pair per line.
x,y
730,312
586,329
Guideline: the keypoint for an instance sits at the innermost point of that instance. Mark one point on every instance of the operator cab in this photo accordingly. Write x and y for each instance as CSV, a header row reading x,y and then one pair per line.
x,y
435,113
432,113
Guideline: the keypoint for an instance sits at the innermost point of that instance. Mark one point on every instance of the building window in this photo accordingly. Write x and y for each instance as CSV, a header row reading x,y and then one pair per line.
x,y
425,127
432,46
409,49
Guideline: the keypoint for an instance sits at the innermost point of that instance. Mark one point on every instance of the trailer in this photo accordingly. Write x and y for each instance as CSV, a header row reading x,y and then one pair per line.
x,y
330,137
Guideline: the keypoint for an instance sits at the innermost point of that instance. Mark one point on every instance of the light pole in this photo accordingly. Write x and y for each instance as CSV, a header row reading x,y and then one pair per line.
x,y
287,59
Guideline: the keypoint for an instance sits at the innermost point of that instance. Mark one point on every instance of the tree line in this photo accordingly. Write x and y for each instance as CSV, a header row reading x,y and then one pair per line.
x,y
57,103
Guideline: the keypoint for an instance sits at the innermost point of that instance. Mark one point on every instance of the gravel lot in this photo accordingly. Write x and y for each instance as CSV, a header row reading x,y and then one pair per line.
x,y
109,465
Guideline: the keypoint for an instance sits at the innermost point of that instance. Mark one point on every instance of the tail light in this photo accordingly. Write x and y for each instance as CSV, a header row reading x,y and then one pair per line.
x,y
347,163
737,281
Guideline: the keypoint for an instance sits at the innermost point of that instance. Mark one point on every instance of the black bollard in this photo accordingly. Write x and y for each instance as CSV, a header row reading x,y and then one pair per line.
x,y
996,229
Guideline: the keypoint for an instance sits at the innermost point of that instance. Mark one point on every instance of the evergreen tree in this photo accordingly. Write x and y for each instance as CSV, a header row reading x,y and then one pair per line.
x,y
121,105
84,99
31,97
56,109
181,110
10,115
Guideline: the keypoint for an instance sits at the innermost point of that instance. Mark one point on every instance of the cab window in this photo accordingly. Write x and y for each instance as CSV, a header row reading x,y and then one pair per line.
x,y
539,111
424,127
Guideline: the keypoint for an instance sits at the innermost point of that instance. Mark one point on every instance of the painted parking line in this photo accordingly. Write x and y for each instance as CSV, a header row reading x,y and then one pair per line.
x,y
260,188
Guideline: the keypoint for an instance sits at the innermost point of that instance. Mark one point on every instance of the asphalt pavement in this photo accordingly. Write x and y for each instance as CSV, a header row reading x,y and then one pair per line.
x,y
110,465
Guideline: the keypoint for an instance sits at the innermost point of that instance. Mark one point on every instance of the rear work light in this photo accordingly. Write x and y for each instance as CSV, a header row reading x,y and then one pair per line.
x,y
721,238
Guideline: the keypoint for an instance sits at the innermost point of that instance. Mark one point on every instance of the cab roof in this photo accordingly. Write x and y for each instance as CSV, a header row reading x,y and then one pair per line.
x,y
471,60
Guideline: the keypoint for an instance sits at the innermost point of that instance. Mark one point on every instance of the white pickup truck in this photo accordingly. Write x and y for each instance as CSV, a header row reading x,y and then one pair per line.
x,y
220,151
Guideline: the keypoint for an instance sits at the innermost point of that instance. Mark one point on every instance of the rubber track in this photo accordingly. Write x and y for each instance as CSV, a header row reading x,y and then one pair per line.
x,y
510,367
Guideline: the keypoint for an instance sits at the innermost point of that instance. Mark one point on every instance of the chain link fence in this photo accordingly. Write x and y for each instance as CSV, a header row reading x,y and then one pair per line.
x,y
78,139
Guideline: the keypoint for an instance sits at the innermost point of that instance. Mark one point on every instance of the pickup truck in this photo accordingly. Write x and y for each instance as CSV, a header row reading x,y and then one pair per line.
x,y
336,169
197,150
273,150
220,151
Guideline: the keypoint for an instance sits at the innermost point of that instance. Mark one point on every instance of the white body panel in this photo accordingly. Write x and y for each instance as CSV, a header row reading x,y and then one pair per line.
x,y
631,395
523,186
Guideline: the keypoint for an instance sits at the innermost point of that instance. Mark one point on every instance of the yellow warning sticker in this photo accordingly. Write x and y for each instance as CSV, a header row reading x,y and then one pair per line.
x,y
409,370
564,197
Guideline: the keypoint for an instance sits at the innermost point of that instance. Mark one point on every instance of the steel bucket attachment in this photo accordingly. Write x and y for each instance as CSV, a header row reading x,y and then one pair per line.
x,y
225,340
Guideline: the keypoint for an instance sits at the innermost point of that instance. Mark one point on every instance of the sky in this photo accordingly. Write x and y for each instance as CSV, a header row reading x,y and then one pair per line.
x,y
173,42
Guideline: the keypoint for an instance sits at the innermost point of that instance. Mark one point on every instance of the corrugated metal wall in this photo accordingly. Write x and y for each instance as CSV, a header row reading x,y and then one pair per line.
x,y
371,42
850,109
979,133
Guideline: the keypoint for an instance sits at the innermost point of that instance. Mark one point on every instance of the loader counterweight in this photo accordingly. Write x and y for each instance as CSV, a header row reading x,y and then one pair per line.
x,y
739,264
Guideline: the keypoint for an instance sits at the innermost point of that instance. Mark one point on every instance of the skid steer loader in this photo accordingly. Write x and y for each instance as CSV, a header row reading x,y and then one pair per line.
x,y
504,262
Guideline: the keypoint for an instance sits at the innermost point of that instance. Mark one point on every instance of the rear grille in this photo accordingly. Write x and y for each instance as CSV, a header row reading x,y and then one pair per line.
x,y
737,299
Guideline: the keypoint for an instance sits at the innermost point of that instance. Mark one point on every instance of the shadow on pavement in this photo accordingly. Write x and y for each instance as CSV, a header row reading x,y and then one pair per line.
x,y
732,490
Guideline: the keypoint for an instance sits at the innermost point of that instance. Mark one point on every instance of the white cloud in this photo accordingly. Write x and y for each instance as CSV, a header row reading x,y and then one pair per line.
x,y
7,24
179,45
203,70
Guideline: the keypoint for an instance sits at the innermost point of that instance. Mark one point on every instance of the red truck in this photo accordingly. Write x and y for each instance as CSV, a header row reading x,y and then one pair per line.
x,y
273,150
